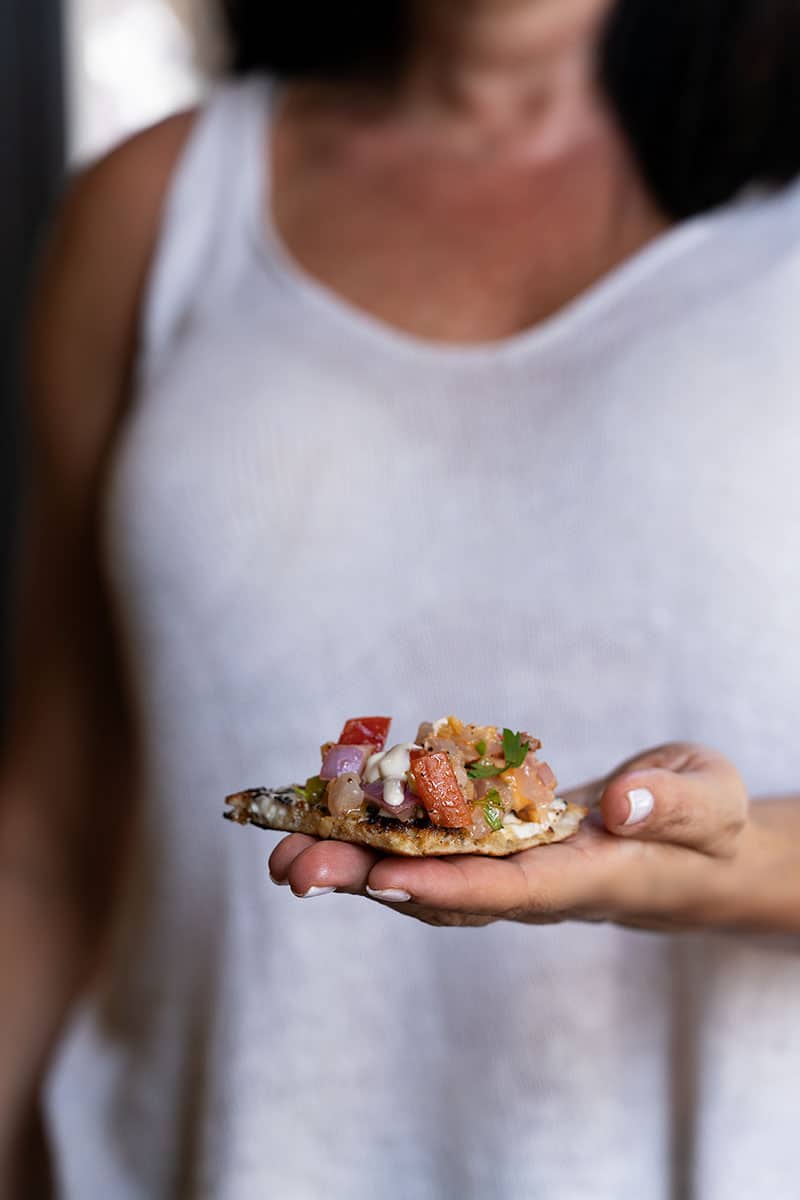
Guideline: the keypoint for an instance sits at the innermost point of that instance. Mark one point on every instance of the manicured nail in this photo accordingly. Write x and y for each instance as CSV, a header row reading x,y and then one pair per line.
x,y
314,891
279,882
390,895
642,802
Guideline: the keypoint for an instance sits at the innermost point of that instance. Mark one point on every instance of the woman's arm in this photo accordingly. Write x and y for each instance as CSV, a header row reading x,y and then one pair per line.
x,y
67,776
698,856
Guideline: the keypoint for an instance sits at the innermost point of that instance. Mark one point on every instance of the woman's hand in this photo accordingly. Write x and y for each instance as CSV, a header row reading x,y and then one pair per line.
x,y
671,842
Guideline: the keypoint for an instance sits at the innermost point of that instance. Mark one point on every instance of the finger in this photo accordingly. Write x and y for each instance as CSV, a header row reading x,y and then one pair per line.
x,y
459,884
284,855
544,881
688,796
328,866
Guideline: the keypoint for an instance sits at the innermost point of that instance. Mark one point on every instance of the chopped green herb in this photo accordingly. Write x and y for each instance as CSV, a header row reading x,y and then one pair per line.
x,y
515,751
493,810
481,748
314,791
484,770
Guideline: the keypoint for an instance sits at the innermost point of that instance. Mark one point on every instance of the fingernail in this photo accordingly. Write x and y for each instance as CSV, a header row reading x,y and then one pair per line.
x,y
390,895
314,891
279,882
642,802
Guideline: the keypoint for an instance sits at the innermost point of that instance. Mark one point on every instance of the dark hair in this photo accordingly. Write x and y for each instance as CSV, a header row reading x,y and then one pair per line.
x,y
319,38
707,91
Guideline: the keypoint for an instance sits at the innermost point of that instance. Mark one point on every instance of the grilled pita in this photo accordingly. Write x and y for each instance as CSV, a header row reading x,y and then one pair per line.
x,y
287,811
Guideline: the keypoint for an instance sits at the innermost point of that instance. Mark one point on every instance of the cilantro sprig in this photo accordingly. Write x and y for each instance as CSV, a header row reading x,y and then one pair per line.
x,y
515,751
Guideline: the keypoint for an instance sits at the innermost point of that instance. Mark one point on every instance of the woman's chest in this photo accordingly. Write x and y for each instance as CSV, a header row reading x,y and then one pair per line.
x,y
456,252
609,540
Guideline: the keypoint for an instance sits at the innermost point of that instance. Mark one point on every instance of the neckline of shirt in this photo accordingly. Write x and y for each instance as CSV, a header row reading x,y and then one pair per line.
x,y
263,97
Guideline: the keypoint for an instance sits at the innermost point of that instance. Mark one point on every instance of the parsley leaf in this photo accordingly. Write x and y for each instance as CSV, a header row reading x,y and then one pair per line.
x,y
481,748
515,751
484,770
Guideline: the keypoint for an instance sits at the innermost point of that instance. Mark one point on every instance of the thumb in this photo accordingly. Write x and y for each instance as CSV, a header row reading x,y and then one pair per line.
x,y
682,794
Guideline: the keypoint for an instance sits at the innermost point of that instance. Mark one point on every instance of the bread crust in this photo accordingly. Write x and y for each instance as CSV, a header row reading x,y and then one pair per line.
x,y
285,810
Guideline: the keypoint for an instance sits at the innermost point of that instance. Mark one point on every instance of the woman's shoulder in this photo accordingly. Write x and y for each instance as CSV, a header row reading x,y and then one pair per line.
x,y
761,231
740,261
85,311
112,208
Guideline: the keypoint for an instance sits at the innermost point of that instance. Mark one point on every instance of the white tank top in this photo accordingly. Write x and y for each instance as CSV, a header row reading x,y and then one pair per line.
x,y
589,530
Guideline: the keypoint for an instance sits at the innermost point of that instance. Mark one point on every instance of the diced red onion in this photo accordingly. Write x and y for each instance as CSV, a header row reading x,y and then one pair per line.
x,y
401,812
343,760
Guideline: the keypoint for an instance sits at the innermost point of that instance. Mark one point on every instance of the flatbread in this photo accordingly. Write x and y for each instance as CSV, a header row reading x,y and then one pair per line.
x,y
285,810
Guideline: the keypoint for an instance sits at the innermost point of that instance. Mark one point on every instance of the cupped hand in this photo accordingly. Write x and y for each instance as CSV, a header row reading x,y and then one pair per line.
x,y
661,848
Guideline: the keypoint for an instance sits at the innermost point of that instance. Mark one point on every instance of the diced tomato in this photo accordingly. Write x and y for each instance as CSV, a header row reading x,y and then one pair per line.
x,y
437,787
365,731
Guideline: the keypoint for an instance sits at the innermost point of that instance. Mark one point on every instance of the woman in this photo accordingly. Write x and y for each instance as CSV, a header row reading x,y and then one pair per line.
x,y
454,372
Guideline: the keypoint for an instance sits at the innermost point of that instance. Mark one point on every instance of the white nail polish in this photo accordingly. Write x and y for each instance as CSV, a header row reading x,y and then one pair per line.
x,y
390,895
642,802
314,891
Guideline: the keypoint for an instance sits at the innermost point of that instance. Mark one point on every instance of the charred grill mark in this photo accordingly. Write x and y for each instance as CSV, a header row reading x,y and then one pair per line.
x,y
378,820
287,796
250,796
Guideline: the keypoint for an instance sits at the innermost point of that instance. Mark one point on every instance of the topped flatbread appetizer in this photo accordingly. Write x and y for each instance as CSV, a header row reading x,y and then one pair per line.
x,y
457,789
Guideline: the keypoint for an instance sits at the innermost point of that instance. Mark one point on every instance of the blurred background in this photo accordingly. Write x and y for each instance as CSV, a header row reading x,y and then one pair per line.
x,y
76,76
130,62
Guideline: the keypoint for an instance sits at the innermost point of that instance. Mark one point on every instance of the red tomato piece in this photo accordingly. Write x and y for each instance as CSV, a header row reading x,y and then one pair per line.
x,y
365,731
438,789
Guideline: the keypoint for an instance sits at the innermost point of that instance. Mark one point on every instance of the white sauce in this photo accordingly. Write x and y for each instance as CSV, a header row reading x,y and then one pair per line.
x,y
523,829
394,793
392,767
390,764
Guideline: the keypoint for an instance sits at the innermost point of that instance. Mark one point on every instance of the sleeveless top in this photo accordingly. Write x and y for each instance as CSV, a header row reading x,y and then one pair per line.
x,y
589,530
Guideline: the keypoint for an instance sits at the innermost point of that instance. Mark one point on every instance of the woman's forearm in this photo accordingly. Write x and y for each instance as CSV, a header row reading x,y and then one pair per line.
x,y
46,950
45,956
59,868
51,925
763,892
